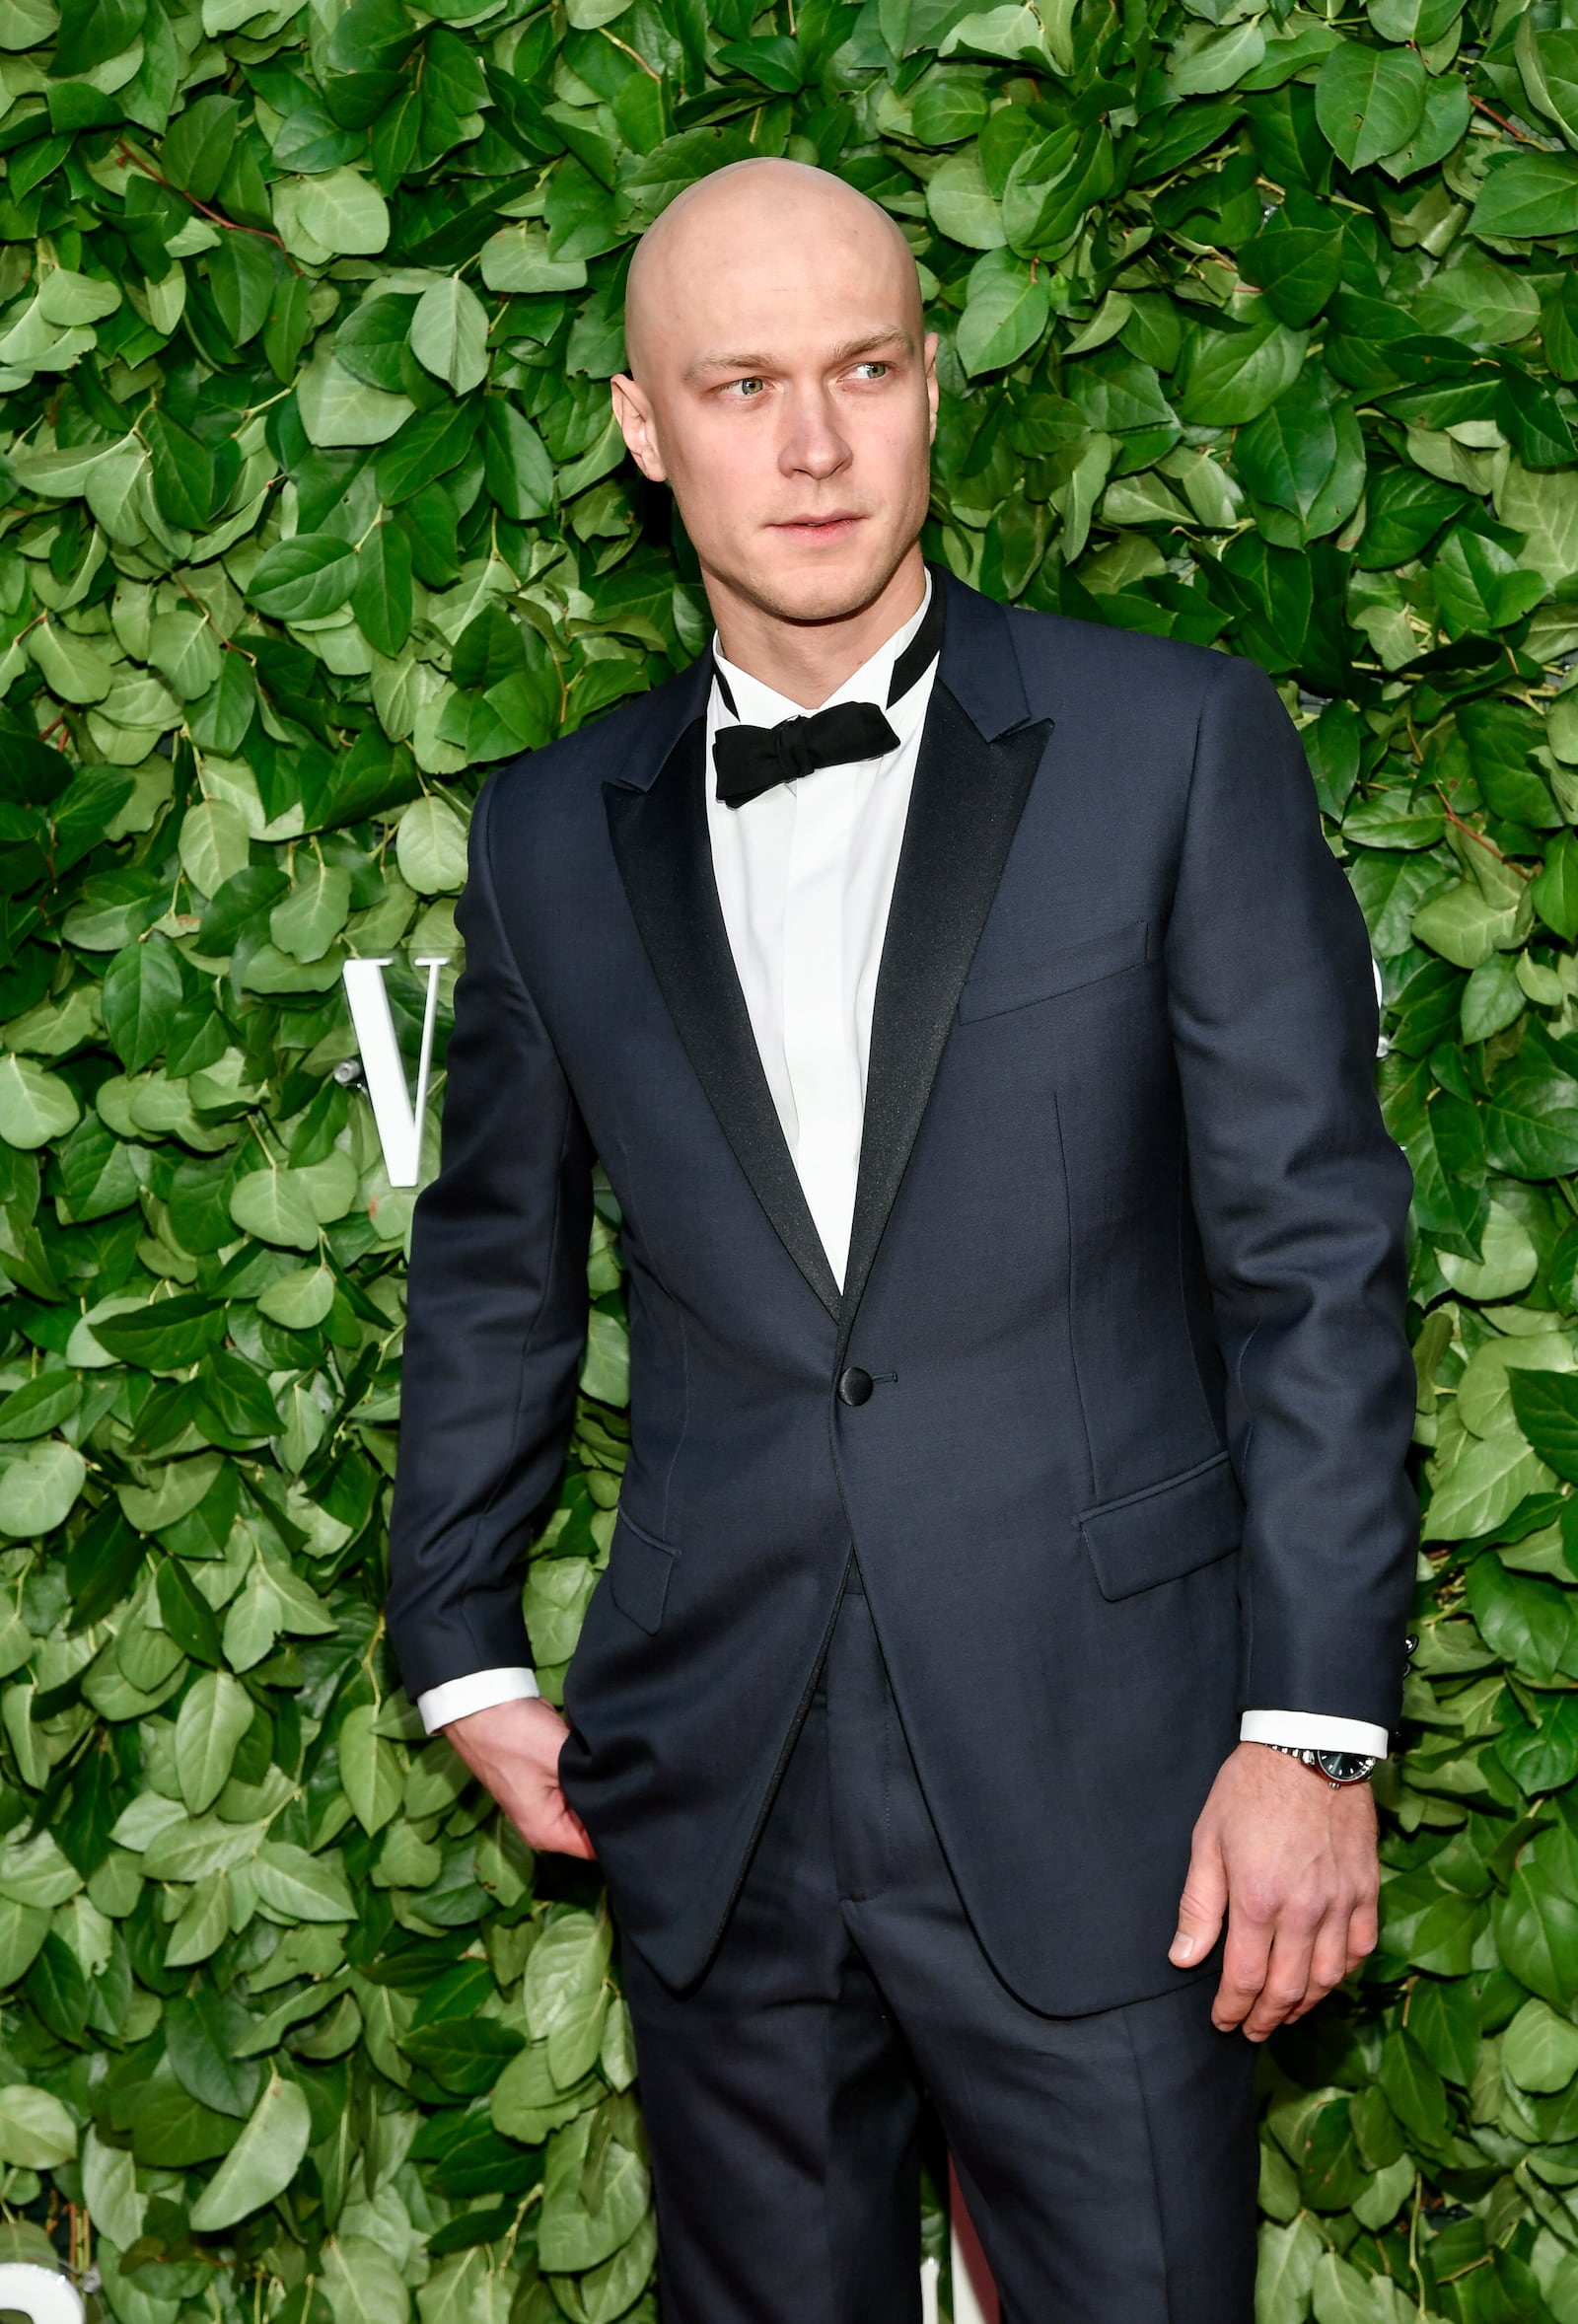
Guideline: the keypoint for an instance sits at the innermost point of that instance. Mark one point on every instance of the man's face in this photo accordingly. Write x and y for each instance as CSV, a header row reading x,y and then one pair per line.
x,y
783,386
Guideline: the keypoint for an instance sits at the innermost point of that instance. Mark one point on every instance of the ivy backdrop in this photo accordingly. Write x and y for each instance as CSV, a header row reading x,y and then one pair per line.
x,y
1260,327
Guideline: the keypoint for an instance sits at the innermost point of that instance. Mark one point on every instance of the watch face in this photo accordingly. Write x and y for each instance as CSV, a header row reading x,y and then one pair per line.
x,y
1344,1766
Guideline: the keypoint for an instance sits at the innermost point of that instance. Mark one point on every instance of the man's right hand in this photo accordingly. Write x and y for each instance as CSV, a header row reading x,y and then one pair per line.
x,y
513,1748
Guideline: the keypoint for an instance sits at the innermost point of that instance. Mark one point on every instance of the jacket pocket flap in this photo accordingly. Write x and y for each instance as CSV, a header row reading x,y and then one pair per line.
x,y
639,1567
1166,1529
1058,971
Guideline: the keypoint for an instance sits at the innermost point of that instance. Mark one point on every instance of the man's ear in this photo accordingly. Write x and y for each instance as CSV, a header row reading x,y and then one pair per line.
x,y
933,392
634,415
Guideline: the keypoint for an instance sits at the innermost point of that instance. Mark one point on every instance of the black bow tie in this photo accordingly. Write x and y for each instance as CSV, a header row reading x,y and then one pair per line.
x,y
750,759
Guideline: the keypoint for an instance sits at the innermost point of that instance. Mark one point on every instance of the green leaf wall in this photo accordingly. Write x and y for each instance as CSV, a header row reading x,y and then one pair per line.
x,y
1260,327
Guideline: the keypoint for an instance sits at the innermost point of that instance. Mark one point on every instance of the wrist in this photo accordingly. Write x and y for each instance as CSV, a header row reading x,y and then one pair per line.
x,y
1337,1768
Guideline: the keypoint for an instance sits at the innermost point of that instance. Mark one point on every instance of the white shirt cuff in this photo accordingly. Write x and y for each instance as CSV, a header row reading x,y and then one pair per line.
x,y
1312,1730
479,1690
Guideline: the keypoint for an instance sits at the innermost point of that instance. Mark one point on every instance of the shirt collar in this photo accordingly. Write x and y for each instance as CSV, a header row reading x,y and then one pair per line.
x,y
759,704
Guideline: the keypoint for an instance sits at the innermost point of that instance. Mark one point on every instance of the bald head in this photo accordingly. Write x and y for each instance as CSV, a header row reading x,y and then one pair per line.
x,y
781,383
762,213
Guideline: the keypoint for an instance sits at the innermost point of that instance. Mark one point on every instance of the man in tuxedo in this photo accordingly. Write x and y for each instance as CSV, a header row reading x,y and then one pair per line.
x,y
978,1037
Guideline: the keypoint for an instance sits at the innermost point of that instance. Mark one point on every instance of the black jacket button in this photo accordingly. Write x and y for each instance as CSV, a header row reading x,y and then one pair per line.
x,y
854,1385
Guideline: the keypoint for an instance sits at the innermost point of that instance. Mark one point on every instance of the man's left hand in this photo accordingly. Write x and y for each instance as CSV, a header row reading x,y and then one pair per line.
x,y
1293,1864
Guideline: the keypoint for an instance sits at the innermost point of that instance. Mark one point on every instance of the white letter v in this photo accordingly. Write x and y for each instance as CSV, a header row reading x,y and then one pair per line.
x,y
399,1122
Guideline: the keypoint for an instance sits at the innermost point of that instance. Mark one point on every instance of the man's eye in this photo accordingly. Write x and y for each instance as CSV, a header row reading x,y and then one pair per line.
x,y
872,370
749,388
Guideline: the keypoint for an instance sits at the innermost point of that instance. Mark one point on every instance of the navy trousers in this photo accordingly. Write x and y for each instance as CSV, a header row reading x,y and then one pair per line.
x,y
1108,2160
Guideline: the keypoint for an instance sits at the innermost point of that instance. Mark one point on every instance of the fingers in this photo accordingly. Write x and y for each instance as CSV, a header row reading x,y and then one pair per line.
x,y
1245,1959
1324,1956
1328,1962
551,1826
1202,1906
1287,1979
578,1842
1364,1932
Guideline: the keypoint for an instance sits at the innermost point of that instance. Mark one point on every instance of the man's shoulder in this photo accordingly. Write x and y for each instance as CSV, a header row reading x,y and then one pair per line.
x,y
1069,648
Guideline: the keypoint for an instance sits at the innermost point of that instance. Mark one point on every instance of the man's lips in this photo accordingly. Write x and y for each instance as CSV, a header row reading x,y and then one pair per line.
x,y
830,527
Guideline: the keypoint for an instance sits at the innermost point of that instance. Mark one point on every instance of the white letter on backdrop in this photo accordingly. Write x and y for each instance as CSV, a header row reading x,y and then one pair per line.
x,y
399,1122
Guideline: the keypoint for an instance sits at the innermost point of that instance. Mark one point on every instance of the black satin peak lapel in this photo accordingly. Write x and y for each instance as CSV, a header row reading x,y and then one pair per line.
x,y
963,810
665,857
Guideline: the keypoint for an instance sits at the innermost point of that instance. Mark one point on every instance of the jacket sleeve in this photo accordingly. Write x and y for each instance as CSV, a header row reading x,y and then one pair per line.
x,y
496,1315
1301,1195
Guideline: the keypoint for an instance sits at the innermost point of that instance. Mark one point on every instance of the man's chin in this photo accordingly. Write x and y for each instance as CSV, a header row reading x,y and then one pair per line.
x,y
815,578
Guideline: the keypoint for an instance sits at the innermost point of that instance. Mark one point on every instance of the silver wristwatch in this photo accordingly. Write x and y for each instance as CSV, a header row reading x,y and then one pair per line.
x,y
1337,1767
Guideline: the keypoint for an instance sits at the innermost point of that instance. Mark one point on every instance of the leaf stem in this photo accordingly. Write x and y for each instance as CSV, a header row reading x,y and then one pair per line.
x,y
231,225
1489,846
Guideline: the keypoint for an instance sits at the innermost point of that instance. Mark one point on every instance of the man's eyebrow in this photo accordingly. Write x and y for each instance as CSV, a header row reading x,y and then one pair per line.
x,y
895,336
750,366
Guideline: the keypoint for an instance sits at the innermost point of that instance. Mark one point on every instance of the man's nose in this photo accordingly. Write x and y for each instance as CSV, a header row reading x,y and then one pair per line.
x,y
814,445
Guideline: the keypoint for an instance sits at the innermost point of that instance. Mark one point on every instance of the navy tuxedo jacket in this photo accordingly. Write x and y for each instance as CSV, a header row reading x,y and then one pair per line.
x,y
1127,1278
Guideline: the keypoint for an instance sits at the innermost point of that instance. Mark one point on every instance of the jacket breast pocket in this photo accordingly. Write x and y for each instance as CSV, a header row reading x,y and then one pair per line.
x,y
1166,1529
639,1570
1061,969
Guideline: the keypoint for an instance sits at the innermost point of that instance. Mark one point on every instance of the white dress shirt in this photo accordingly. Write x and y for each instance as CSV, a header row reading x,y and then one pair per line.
x,y
805,876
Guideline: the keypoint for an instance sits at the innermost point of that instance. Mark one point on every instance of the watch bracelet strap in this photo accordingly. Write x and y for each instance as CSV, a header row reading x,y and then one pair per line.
x,y
1310,1759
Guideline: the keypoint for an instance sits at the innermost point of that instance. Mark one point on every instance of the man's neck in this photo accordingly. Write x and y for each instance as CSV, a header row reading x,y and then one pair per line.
x,y
807,661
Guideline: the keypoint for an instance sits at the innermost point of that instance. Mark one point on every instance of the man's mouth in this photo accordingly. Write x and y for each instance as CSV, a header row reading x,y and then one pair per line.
x,y
834,525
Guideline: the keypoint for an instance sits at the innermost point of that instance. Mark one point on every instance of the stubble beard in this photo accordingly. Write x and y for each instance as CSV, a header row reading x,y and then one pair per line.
x,y
825,599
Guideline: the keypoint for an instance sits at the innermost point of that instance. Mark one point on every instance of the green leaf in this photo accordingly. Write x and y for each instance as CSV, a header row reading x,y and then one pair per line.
x,y
164,1335
381,598
1527,194
1287,2260
517,470
40,1404
430,847
203,2032
1231,375
1532,1123
363,2283
302,1887
570,2235
214,844
198,145
342,212
1297,266
1540,2050
448,335
22,1930
1479,586
261,2163
1488,1480
962,204
370,1772
310,918
1368,101
1547,1409
70,666
35,1106
142,991
304,578
527,2103
215,1714
276,1206
243,274
1006,314
184,472
517,261
39,1487
1537,1935
35,2131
